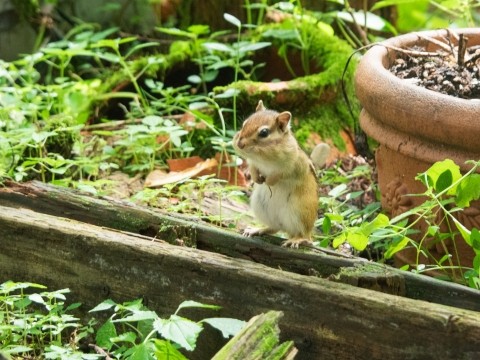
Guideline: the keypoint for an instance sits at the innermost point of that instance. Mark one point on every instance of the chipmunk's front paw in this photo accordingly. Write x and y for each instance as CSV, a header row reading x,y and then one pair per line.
x,y
295,243
251,231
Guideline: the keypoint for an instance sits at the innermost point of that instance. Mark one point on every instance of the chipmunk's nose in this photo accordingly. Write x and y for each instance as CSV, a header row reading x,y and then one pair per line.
x,y
240,143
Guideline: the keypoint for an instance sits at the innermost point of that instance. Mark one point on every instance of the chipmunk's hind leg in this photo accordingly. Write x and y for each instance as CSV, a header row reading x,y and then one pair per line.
x,y
295,242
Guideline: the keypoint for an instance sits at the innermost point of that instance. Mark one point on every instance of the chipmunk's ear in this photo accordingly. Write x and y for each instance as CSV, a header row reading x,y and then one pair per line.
x,y
283,120
260,106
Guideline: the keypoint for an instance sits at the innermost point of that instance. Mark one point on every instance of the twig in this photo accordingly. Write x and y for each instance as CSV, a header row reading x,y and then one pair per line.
x,y
100,351
462,48
413,52
436,42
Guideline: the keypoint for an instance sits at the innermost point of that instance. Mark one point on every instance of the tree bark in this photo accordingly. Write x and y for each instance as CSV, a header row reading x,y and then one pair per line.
x,y
325,319
153,223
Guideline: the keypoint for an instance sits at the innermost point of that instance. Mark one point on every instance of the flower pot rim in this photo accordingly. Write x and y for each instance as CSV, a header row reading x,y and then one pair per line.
x,y
405,108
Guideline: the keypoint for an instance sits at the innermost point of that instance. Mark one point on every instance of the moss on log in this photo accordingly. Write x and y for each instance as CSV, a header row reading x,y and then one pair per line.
x,y
258,340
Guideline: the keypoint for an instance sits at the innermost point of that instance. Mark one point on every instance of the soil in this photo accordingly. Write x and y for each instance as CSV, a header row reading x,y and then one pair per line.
x,y
448,71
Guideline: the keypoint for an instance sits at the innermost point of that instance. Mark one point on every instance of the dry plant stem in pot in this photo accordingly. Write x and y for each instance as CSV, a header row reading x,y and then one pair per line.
x,y
416,127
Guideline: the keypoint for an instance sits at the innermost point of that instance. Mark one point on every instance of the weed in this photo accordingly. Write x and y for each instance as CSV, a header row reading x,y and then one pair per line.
x,y
38,325
448,192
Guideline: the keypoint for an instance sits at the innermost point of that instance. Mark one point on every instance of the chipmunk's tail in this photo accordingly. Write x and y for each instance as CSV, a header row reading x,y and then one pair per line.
x,y
319,155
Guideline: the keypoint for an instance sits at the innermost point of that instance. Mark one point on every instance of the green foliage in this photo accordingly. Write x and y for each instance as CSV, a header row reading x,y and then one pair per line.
x,y
414,15
345,219
138,333
448,192
39,325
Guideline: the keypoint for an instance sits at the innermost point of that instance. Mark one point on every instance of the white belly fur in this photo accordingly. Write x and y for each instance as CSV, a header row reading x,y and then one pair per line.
x,y
276,207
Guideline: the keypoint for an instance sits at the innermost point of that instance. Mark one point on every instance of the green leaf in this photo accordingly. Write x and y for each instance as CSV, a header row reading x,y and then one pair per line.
x,y
282,34
139,315
339,240
129,337
367,19
105,305
444,181
182,331
228,94
380,221
357,239
195,304
176,32
253,46
463,231
36,298
396,246
16,349
385,3
104,335
338,190
140,352
41,136
164,350
326,225
468,190
152,120
228,327
476,263
475,240
232,20
195,79
439,168
215,46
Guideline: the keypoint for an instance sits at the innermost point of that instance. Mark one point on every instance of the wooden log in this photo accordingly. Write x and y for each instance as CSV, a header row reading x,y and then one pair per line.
x,y
258,340
128,217
326,320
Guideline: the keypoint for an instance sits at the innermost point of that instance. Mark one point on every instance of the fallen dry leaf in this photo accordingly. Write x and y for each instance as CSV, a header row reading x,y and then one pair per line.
x,y
159,178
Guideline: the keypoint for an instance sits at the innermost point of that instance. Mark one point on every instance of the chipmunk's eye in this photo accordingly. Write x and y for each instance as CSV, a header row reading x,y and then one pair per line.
x,y
263,133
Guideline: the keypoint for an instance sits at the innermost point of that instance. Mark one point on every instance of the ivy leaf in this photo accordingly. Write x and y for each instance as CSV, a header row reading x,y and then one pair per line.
x,y
468,190
182,331
228,327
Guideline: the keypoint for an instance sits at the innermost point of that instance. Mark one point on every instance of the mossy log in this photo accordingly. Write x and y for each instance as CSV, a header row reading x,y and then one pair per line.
x,y
153,223
325,319
258,340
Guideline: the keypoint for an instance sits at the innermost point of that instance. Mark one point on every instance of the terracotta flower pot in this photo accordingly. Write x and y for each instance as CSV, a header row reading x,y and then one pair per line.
x,y
416,127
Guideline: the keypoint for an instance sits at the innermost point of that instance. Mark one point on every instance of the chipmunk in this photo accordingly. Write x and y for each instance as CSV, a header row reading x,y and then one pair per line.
x,y
285,192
